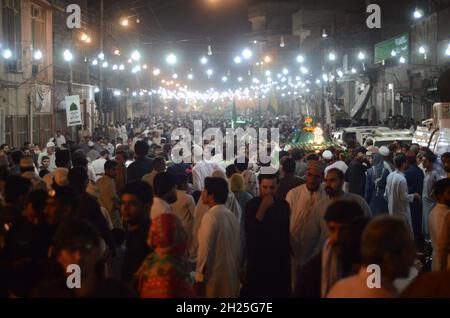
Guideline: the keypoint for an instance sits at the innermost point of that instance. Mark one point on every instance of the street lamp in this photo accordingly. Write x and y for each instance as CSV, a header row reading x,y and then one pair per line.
x,y
237,60
402,60
101,56
418,13
224,79
105,64
246,54
267,59
68,56
361,56
135,56
203,60
300,59
423,51
332,56
156,71
393,53
37,55
124,22
171,59
7,54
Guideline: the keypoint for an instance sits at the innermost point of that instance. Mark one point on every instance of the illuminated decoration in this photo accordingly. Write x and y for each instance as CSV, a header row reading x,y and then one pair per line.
x,y
67,56
246,54
418,13
171,59
37,55
135,56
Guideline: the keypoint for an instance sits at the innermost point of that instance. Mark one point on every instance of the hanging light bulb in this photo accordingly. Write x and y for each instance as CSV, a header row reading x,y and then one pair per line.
x,y
282,44
209,50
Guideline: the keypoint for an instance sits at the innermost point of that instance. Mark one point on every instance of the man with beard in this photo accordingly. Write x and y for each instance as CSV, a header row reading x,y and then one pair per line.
x,y
303,202
165,190
334,183
445,159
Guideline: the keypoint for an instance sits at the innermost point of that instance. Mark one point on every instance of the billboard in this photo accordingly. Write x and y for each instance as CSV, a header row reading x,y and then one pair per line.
x,y
399,44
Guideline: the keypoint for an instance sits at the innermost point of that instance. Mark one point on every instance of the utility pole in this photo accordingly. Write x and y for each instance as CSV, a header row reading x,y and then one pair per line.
x,y
101,106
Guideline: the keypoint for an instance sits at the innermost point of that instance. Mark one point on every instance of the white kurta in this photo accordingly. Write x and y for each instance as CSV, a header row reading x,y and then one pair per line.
x,y
396,194
202,170
99,167
305,234
322,208
159,207
219,253
61,140
201,209
436,222
184,208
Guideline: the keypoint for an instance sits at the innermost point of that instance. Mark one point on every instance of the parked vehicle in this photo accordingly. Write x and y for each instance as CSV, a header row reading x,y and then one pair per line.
x,y
435,132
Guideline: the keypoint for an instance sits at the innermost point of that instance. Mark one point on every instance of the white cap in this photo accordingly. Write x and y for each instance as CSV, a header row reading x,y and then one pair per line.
x,y
50,144
327,155
337,165
384,151
91,144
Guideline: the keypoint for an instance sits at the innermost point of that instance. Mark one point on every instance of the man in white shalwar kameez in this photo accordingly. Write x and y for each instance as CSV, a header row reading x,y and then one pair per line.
x,y
303,202
396,193
201,209
217,270
334,188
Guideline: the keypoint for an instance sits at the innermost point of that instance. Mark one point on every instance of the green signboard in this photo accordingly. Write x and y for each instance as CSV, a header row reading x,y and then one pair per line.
x,y
400,45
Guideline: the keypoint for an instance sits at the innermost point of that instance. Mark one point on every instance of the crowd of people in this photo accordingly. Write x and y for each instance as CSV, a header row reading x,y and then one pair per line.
x,y
138,224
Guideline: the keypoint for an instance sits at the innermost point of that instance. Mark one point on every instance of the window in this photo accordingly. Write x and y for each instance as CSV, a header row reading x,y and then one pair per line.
x,y
12,33
37,27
